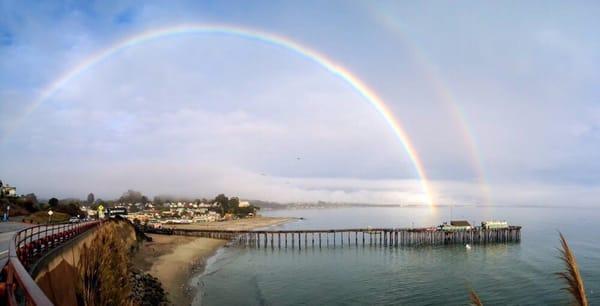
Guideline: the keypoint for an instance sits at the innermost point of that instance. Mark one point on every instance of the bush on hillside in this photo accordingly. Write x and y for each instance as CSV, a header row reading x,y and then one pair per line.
x,y
71,209
42,217
104,269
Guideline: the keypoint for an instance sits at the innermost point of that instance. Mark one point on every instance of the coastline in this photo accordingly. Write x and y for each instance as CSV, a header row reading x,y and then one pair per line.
x,y
239,224
174,260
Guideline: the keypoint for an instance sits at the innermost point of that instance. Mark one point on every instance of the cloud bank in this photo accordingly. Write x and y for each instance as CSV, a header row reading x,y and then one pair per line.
x,y
204,114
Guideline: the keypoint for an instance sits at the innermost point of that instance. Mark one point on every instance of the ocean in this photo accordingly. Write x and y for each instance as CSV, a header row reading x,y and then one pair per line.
x,y
502,274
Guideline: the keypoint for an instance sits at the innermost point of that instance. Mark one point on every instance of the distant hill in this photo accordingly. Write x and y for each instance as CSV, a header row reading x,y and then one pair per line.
x,y
269,205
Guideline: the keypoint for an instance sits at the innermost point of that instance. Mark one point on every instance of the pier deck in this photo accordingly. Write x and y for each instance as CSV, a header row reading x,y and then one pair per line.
x,y
382,237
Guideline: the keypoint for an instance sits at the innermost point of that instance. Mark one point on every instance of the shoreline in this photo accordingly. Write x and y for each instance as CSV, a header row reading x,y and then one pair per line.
x,y
239,224
175,260
194,281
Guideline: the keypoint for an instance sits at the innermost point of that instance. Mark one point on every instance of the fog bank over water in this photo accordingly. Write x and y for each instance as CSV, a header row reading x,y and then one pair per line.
x,y
198,181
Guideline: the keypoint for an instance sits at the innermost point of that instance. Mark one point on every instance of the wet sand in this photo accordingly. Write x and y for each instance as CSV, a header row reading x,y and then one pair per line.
x,y
174,259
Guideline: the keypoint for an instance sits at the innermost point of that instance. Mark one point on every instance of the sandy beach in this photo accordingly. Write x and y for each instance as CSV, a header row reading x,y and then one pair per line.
x,y
240,224
173,259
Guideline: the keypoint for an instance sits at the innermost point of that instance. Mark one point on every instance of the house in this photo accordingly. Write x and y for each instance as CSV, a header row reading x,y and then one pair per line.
x,y
244,204
206,218
460,223
456,225
494,224
7,191
200,211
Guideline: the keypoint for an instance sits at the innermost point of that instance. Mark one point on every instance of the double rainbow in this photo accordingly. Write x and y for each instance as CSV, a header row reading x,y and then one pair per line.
x,y
358,85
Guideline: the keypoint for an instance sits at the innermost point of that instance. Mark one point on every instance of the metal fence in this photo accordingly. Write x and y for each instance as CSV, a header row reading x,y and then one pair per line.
x,y
26,248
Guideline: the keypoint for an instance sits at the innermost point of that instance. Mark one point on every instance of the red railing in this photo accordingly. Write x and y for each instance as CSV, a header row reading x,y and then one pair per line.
x,y
26,248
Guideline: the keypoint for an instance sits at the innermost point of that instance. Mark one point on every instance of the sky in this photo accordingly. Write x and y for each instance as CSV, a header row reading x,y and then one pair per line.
x,y
499,99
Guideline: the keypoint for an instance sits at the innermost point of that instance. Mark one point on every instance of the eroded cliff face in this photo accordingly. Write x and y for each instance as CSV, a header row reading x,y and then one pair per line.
x,y
59,283
60,274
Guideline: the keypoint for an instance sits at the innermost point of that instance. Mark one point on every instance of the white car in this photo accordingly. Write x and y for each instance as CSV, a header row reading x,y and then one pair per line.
x,y
74,220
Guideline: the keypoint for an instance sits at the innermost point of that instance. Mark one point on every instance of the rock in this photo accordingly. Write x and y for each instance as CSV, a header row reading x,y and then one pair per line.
x,y
147,290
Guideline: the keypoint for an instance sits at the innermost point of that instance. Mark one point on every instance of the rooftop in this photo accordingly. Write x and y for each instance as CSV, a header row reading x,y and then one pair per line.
x,y
460,223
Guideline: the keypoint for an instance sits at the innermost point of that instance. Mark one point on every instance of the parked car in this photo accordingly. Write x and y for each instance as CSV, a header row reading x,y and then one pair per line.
x,y
74,220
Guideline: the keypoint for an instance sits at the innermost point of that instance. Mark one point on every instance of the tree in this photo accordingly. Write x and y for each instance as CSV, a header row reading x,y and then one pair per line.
x,y
223,202
30,202
244,211
131,196
3,204
158,200
234,204
72,209
90,198
31,197
53,202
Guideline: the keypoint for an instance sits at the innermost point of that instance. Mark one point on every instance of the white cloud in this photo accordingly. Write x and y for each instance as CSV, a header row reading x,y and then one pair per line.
x,y
170,108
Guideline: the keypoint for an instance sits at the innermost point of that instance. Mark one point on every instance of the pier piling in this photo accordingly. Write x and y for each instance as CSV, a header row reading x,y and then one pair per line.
x,y
380,237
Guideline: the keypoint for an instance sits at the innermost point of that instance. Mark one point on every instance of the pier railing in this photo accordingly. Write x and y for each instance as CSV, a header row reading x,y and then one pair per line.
x,y
26,248
381,237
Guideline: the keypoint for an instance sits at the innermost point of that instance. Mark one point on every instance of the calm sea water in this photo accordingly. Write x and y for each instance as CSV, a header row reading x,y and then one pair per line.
x,y
504,274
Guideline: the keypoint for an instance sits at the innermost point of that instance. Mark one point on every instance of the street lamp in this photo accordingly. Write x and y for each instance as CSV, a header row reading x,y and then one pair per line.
x,y
50,213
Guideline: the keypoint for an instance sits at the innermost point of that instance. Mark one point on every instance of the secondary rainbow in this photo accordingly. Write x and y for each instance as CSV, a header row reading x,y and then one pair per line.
x,y
386,18
359,86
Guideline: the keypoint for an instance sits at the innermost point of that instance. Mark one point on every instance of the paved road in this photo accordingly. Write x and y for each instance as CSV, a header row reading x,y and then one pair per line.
x,y
7,230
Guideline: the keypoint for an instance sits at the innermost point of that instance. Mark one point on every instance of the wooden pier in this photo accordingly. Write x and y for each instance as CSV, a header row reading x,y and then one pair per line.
x,y
373,237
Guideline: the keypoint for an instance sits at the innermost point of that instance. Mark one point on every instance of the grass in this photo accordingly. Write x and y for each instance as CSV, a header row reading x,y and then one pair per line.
x,y
104,268
475,300
41,217
571,276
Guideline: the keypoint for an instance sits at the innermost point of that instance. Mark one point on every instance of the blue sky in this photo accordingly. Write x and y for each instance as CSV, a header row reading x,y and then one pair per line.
x,y
201,114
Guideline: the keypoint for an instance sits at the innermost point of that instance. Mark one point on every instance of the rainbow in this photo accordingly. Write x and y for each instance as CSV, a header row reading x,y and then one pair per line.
x,y
384,16
272,39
